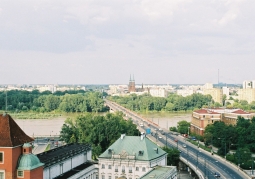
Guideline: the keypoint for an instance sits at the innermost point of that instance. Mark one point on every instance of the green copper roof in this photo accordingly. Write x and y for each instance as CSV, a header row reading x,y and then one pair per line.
x,y
29,162
131,145
159,172
27,145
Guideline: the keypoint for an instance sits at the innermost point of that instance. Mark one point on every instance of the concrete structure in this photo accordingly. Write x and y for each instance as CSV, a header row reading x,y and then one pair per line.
x,y
132,157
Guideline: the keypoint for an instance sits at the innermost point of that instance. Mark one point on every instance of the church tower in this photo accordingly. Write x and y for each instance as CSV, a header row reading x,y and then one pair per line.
x,y
131,85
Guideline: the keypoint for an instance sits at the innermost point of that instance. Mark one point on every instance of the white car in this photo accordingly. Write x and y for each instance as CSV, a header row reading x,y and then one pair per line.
x,y
184,146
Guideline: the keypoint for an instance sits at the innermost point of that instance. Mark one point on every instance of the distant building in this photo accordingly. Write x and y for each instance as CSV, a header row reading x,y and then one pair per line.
x,y
134,157
225,91
158,92
131,85
203,117
248,84
185,92
216,93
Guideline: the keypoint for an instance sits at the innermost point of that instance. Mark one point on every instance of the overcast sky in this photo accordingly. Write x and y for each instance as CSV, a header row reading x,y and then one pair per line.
x,y
104,41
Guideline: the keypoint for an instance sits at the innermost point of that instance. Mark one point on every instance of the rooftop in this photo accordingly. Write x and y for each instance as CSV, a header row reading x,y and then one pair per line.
x,y
159,172
74,170
11,134
239,111
133,147
59,154
206,111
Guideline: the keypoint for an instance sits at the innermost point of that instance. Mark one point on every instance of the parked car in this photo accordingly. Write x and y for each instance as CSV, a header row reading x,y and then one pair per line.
x,y
184,145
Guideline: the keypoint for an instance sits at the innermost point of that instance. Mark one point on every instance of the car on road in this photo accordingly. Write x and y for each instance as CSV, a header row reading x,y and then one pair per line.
x,y
160,137
175,140
184,146
217,175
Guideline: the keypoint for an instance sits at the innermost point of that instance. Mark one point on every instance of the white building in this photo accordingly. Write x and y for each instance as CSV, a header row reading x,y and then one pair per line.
x,y
132,157
225,91
248,84
185,92
158,92
70,161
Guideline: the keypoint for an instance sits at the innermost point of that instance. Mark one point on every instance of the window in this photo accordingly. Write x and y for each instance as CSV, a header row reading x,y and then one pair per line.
x,y
1,157
130,169
116,168
20,173
109,167
103,166
203,116
143,169
96,176
2,175
123,168
116,177
136,168
103,177
109,177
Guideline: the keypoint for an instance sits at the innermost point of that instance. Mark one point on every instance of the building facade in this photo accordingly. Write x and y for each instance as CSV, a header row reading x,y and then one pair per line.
x,y
203,117
132,157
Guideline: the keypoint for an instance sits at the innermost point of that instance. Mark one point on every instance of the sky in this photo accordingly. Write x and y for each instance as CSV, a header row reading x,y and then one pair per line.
x,y
103,42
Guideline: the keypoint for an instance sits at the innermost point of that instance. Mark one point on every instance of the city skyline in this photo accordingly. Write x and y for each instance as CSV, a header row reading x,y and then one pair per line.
x,y
99,42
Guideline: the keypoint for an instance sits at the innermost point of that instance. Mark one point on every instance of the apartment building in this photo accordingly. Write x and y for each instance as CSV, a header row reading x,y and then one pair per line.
x,y
216,93
203,117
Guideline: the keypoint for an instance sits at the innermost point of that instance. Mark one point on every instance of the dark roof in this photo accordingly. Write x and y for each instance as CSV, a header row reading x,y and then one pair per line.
x,y
74,170
205,111
59,154
11,134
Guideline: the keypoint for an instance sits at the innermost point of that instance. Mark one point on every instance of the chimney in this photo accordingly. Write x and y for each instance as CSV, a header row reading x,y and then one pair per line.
x,y
122,136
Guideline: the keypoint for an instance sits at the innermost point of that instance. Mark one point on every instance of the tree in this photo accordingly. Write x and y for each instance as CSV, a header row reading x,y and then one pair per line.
x,y
182,127
173,156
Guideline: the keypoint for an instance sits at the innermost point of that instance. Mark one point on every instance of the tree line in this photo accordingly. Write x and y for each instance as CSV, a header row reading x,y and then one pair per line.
x,y
173,102
239,137
97,130
67,101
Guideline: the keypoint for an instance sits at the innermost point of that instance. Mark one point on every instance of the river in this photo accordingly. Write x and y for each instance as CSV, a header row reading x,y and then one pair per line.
x,y
52,127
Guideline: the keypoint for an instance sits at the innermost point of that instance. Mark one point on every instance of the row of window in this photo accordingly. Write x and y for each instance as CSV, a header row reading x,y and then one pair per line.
x,y
110,177
123,168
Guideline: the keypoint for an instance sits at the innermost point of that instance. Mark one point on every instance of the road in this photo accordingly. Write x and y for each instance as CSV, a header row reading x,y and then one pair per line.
x,y
205,162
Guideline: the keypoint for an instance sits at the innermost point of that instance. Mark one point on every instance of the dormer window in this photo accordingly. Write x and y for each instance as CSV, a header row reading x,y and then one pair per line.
x,y
20,173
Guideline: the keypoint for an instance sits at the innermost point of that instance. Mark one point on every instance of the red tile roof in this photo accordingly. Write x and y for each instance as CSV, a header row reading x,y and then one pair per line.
x,y
11,134
205,111
239,111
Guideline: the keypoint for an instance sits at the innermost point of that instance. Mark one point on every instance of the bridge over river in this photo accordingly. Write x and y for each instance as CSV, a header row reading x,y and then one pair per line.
x,y
203,163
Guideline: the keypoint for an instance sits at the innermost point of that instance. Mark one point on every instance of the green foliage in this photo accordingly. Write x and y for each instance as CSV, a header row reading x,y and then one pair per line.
x,y
99,131
173,102
68,101
173,156
182,127
239,137
174,129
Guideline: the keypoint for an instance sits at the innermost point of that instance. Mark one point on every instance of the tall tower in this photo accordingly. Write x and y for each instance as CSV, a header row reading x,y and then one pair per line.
x,y
13,151
131,85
